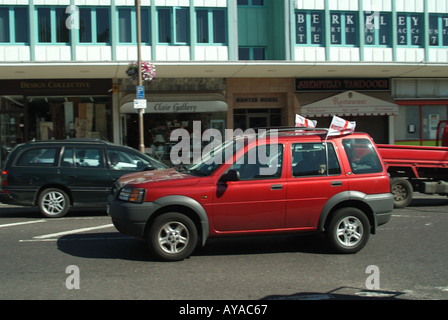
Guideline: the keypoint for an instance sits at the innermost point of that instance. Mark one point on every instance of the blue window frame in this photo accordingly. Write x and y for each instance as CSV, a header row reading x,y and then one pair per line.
x,y
377,31
94,25
211,26
14,25
251,53
438,30
410,29
127,25
310,28
344,28
51,26
173,25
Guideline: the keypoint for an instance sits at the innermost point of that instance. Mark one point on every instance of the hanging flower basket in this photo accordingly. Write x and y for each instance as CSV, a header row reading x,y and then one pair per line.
x,y
148,71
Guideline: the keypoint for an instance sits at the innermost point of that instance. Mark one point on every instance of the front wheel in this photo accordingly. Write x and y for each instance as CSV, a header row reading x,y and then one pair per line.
x,y
172,236
348,231
53,203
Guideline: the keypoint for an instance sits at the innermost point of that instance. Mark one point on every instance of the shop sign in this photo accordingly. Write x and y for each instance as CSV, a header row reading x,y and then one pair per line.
x,y
179,107
55,86
342,84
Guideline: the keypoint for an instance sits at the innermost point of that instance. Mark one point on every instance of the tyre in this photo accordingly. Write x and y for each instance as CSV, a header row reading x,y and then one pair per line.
x,y
53,203
348,230
172,237
402,191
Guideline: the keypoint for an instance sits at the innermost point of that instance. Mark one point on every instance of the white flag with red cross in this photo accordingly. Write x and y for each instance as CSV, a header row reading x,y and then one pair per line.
x,y
340,126
302,122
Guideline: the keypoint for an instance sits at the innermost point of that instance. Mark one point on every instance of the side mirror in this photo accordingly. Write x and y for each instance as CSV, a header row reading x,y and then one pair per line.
x,y
231,175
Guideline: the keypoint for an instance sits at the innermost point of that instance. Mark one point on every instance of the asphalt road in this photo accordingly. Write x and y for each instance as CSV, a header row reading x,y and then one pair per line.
x,y
83,257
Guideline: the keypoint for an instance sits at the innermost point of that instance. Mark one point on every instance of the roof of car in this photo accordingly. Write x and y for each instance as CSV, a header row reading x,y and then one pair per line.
x,y
72,140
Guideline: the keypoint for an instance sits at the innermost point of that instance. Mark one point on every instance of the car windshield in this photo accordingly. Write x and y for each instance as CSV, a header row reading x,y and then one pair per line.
x,y
211,160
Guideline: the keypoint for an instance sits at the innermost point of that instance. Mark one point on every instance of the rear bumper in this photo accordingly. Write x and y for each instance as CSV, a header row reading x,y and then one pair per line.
x,y
382,206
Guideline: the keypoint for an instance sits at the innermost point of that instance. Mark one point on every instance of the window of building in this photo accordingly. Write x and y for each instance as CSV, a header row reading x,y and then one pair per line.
x,y
51,25
377,29
410,29
173,25
344,28
252,53
127,25
438,30
253,3
211,26
14,25
310,28
94,25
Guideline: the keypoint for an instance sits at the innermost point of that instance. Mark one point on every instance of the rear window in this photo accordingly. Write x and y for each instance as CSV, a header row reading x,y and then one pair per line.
x,y
362,156
43,157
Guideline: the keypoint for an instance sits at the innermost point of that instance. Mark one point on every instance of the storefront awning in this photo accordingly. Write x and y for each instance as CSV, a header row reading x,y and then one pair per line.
x,y
177,103
349,103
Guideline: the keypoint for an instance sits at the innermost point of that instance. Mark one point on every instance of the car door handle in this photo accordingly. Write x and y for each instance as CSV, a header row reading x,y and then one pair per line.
x,y
336,183
276,187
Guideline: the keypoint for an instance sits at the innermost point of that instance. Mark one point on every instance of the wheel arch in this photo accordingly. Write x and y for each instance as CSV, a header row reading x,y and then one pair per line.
x,y
185,205
53,186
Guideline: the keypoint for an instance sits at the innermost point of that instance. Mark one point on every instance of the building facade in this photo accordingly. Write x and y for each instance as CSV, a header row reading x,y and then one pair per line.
x,y
228,63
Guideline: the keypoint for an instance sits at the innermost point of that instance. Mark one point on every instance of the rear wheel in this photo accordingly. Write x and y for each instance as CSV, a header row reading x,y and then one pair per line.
x,y
172,236
53,203
402,191
348,231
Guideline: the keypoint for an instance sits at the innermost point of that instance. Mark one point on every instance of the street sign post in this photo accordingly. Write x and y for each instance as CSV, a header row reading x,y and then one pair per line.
x,y
140,92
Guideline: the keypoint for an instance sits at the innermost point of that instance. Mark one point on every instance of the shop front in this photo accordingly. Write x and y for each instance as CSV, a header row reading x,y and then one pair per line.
x,y
373,109
54,109
167,112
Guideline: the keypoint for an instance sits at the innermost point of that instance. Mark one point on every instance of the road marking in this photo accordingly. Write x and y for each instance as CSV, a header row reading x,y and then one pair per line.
x,y
52,235
20,223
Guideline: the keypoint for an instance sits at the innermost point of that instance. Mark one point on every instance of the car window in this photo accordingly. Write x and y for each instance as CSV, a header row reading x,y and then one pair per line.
x,y
38,157
362,156
261,162
88,157
309,159
127,160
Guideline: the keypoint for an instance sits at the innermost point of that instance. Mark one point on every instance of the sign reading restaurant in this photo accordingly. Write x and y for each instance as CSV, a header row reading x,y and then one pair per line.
x,y
342,84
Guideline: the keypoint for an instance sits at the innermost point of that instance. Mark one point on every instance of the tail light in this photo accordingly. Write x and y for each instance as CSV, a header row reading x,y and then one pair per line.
x,y
4,178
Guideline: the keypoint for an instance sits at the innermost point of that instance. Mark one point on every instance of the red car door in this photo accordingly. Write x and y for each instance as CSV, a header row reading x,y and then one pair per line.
x,y
257,200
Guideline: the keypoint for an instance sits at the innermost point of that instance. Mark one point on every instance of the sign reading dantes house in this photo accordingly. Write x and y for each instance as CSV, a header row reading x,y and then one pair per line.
x,y
55,86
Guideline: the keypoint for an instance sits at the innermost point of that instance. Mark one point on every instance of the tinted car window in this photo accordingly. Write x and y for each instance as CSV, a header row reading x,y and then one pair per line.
x,y
89,158
309,159
127,160
38,157
362,156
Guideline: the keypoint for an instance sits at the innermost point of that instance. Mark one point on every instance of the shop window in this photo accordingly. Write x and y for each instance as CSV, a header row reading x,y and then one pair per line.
x,y
173,25
344,28
211,26
253,3
309,27
94,25
252,53
377,29
14,25
127,25
410,29
438,30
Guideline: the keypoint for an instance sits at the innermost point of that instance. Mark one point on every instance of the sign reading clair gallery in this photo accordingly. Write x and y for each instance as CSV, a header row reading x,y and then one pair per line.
x,y
56,86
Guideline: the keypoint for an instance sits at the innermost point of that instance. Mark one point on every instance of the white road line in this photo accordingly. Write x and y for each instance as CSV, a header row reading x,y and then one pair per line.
x,y
20,223
52,235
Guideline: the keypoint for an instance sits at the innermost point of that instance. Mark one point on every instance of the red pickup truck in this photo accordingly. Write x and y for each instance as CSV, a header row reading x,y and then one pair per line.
x,y
417,168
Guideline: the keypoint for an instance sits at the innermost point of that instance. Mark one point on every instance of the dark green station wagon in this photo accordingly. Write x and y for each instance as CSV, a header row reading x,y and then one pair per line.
x,y
57,174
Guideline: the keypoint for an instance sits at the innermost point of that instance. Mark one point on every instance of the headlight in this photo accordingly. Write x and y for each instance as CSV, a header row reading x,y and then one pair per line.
x,y
132,195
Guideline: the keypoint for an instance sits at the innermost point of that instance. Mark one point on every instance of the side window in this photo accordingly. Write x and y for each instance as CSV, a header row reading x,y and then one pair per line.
x,y
261,162
67,158
309,159
362,156
89,158
39,157
122,160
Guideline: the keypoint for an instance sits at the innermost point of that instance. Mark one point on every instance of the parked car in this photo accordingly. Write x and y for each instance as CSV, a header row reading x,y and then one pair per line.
x,y
299,182
56,174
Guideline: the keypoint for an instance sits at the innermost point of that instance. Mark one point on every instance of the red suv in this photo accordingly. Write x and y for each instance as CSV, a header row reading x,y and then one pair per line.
x,y
293,181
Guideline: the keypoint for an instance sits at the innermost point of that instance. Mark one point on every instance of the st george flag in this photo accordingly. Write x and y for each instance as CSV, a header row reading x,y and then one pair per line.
x,y
302,122
340,126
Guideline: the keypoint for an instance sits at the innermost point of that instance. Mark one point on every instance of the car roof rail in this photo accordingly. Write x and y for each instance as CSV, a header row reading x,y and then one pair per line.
x,y
270,130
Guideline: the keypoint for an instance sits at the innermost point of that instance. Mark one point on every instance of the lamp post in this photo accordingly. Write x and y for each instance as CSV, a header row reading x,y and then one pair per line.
x,y
139,63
